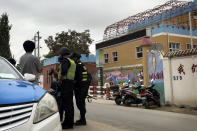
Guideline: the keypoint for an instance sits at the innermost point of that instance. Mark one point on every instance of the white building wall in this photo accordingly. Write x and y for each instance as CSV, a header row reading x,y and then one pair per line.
x,y
184,89
167,82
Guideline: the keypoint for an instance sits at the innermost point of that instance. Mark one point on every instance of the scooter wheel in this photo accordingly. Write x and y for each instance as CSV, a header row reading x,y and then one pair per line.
x,y
146,105
118,100
128,101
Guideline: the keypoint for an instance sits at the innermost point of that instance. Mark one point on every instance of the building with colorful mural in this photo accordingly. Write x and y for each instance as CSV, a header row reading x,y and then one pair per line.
x,y
121,54
134,46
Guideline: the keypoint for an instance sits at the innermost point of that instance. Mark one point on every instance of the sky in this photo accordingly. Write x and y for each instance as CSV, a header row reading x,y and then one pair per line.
x,y
54,16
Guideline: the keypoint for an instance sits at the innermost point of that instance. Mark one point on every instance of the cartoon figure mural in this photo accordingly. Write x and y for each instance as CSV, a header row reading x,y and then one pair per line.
x,y
155,67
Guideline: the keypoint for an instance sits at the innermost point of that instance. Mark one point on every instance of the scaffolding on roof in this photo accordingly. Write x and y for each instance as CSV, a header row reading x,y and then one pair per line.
x,y
122,27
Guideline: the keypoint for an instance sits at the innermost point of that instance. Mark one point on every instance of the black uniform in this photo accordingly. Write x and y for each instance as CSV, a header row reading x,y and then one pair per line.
x,y
81,90
67,94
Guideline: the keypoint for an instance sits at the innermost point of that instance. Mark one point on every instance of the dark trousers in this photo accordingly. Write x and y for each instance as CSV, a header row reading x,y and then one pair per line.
x,y
81,91
60,105
67,102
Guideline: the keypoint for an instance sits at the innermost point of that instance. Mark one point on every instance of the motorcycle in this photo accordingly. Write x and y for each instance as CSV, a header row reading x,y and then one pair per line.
x,y
127,96
150,96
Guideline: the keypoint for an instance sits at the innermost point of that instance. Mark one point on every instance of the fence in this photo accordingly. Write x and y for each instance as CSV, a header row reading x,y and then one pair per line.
x,y
100,92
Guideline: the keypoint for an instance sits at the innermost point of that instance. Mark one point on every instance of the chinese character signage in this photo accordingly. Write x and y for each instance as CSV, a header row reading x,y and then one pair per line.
x,y
194,68
181,69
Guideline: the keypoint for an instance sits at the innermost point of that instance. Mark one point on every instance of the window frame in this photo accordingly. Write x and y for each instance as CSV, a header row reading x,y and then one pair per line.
x,y
171,49
194,46
115,57
10,70
139,52
106,59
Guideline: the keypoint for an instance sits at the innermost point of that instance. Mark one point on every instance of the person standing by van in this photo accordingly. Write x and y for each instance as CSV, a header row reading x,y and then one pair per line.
x,y
66,77
30,63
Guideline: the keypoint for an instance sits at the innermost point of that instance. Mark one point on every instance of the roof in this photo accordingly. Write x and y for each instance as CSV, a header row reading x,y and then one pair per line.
x,y
54,60
127,37
50,61
181,53
172,29
166,11
91,58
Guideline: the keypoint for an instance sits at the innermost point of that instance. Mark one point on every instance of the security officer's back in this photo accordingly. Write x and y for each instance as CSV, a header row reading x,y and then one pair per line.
x,y
66,77
81,87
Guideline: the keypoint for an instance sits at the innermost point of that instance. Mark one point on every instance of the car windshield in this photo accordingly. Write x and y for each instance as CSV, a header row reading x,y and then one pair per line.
x,y
7,71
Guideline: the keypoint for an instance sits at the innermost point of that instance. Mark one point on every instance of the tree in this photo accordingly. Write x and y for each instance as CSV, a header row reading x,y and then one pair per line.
x,y
75,41
5,36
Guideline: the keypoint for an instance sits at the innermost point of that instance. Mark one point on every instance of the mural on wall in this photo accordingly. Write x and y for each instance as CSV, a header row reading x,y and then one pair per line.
x,y
155,72
155,65
116,77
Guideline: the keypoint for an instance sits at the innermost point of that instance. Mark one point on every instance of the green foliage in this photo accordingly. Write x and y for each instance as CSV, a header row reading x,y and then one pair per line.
x,y
73,40
5,36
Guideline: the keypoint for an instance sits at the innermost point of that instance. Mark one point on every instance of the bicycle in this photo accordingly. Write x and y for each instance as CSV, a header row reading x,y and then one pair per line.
x,y
89,98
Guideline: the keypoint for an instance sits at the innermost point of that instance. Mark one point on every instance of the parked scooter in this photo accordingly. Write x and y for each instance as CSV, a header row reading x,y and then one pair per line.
x,y
127,96
150,96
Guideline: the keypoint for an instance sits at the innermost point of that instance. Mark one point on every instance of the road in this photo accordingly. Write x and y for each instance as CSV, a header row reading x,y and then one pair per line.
x,y
121,118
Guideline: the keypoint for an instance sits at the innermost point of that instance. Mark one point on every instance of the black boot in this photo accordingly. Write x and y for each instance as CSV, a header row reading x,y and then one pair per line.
x,y
67,127
80,122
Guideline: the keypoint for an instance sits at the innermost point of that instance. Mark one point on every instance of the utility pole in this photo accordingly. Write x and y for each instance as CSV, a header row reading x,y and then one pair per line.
x,y
34,39
38,44
37,48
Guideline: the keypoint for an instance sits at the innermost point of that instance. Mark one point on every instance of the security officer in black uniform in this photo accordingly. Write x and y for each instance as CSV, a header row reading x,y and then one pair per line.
x,y
66,77
81,87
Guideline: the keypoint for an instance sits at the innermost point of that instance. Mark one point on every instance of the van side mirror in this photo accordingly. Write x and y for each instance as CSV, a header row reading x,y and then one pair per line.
x,y
29,77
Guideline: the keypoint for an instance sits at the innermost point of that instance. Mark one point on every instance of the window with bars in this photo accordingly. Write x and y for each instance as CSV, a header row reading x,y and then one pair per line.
x,y
106,57
139,52
115,56
174,47
188,46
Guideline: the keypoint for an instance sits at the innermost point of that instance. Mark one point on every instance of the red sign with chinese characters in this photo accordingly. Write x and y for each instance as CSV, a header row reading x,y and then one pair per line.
x,y
181,69
193,68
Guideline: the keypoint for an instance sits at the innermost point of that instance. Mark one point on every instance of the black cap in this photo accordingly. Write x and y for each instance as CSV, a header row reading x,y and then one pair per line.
x,y
75,54
64,51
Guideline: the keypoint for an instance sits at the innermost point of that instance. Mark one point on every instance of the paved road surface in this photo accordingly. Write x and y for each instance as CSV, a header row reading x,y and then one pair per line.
x,y
110,117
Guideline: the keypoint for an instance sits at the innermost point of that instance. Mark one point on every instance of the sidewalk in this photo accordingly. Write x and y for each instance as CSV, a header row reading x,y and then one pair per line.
x,y
104,101
163,108
95,126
